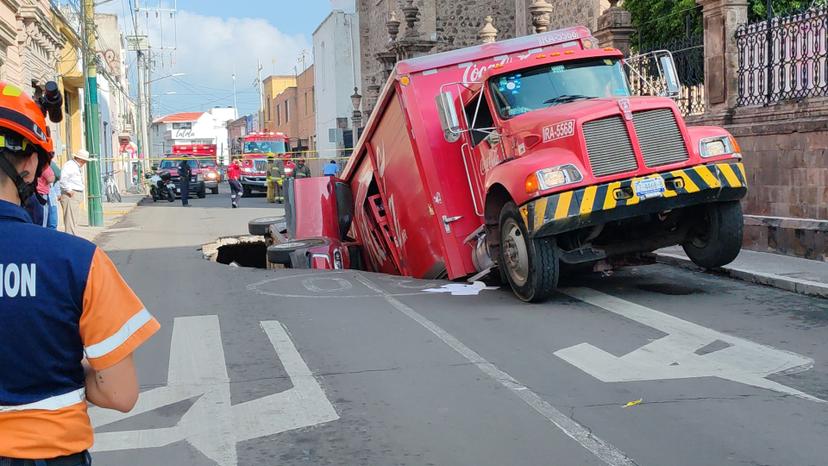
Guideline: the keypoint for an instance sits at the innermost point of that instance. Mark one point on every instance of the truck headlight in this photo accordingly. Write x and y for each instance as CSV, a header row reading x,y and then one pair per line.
x,y
720,145
199,178
552,177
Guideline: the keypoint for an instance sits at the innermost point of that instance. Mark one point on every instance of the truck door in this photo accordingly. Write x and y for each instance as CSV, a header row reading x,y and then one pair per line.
x,y
482,149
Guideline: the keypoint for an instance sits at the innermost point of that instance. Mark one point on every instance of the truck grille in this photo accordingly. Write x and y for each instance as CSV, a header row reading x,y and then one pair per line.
x,y
260,165
659,137
609,147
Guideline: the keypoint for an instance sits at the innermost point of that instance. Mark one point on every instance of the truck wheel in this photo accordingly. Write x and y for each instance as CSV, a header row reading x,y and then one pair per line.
x,y
531,266
281,253
202,193
246,192
259,226
718,238
214,190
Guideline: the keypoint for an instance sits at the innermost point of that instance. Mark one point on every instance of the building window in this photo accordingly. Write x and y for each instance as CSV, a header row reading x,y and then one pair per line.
x,y
278,115
268,111
184,125
287,111
306,102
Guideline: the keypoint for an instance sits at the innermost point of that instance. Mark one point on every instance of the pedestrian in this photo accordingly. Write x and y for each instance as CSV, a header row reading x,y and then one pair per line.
x,y
184,174
233,177
54,198
40,199
69,323
331,168
71,190
302,170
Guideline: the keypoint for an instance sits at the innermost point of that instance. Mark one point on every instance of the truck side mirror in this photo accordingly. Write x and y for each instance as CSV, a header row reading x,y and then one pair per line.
x,y
449,121
670,75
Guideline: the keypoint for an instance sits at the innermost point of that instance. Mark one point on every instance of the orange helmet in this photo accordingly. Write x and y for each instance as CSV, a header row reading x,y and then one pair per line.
x,y
23,130
22,115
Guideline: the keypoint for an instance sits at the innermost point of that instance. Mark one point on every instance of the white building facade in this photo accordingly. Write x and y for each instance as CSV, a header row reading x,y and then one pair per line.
x,y
186,128
336,58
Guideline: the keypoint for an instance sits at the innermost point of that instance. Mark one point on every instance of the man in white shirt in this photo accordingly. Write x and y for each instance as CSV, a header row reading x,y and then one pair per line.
x,y
71,189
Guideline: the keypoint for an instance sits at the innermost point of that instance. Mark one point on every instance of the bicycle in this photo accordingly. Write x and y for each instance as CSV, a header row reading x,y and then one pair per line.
x,y
112,193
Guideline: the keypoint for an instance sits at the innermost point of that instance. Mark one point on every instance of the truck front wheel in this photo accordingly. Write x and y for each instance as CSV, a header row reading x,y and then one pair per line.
x,y
531,265
717,240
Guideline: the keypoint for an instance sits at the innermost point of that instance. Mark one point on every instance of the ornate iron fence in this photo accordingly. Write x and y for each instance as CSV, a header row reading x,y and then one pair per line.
x,y
784,58
688,54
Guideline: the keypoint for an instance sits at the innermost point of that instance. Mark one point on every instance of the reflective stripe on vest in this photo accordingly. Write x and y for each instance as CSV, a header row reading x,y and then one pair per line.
x,y
52,403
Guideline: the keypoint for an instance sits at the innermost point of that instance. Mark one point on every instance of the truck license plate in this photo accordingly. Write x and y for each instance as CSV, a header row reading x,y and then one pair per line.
x,y
649,187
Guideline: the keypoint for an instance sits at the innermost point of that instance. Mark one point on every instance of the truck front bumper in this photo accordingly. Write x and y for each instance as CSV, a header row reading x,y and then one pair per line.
x,y
254,181
599,204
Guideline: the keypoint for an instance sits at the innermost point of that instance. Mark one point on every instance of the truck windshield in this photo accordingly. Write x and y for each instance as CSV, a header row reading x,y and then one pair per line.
x,y
536,88
265,147
167,164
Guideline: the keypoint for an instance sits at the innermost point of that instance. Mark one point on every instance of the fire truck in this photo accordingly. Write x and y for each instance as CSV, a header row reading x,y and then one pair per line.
x,y
520,159
256,148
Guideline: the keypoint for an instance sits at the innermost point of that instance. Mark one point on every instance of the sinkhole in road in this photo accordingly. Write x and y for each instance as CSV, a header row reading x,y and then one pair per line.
x,y
238,251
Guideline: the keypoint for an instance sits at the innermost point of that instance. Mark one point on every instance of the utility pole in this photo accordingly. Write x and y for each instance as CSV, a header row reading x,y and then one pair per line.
x,y
261,96
235,102
92,118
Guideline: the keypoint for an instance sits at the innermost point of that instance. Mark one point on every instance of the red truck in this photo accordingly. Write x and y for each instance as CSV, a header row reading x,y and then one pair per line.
x,y
207,166
256,148
520,156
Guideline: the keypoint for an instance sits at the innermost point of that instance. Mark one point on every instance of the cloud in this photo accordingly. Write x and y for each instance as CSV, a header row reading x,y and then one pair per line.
x,y
208,48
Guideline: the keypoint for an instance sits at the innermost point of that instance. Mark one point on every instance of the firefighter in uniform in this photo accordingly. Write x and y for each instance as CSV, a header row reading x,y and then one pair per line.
x,y
69,324
302,170
272,176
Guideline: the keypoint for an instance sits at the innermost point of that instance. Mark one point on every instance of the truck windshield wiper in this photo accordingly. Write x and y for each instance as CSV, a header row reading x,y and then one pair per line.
x,y
562,99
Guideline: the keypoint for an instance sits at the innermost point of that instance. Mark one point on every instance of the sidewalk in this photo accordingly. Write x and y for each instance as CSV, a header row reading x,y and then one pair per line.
x,y
803,276
113,212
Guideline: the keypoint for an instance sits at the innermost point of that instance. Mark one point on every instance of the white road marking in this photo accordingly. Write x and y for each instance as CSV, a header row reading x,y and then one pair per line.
x,y
674,356
462,289
311,284
212,425
606,452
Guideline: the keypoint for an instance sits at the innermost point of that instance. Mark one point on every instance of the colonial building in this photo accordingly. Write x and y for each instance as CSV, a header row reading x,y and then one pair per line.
x,y
390,30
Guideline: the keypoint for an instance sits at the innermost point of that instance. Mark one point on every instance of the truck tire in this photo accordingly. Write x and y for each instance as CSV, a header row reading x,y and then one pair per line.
x,y
282,253
259,226
214,190
531,266
246,192
202,192
718,238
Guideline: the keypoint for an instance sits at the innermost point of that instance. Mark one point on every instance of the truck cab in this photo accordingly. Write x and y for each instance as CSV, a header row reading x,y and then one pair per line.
x,y
531,154
257,148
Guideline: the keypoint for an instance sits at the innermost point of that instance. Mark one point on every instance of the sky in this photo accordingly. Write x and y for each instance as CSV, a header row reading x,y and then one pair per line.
x,y
209,40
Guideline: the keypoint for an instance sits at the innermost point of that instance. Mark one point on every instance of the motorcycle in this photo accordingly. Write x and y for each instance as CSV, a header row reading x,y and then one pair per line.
x,y
161,186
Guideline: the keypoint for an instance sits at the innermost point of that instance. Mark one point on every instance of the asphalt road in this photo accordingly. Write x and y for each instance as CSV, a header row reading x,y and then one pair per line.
x,y
351,368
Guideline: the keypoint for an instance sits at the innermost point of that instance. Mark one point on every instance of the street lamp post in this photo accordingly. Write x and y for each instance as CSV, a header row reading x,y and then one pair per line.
x,y
356,101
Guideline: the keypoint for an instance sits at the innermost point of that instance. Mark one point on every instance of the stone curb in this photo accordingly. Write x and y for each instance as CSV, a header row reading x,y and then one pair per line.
x,y
796,285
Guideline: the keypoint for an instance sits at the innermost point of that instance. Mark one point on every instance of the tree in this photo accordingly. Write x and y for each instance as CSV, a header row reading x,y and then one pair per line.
x,y
662,21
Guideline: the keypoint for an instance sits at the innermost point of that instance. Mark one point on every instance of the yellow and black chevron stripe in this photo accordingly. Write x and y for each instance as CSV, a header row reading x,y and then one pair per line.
x,y
601,198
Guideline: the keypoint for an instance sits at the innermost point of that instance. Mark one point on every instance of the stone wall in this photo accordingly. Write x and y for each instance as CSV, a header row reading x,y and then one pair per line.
x,y
785,149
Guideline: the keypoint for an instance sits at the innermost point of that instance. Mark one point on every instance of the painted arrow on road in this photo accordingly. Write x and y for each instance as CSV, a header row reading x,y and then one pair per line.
x,y
681,354
212,425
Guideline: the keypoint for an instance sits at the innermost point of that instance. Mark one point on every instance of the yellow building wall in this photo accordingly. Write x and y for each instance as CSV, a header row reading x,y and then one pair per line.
x,y
71,84
273,86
